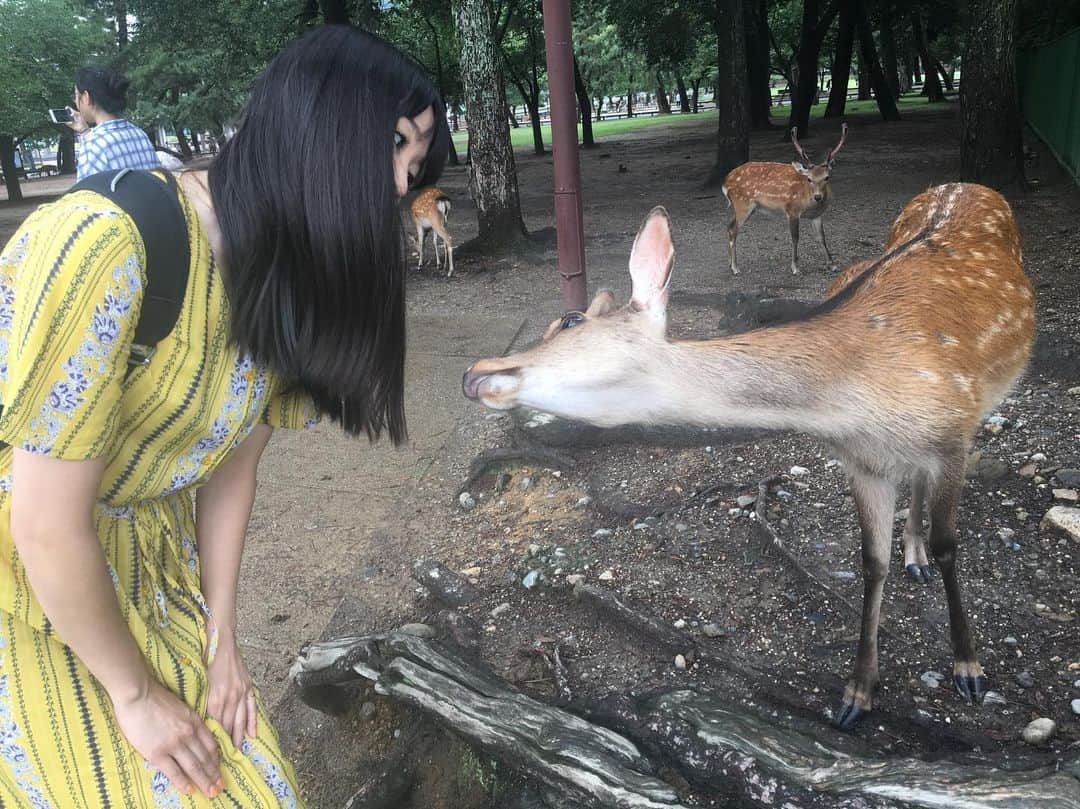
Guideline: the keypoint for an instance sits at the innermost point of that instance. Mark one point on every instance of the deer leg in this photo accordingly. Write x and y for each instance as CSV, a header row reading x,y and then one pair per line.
x,y
793,223
435,245
915,562
875,499
419,247
737,221
448,248
819,231
944,496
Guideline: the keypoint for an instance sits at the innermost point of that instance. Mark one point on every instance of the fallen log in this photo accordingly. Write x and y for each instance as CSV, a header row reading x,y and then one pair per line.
x,y
720,746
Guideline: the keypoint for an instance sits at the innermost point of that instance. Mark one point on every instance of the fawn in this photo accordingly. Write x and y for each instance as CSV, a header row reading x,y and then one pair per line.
x,y
800,190
894,370
430,209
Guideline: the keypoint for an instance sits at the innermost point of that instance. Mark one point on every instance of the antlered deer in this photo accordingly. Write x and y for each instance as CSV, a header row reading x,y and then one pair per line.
x,y
894,370
800,190
430,210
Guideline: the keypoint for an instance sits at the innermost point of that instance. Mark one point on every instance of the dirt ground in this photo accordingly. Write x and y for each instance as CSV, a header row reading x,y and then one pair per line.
x,y
338,524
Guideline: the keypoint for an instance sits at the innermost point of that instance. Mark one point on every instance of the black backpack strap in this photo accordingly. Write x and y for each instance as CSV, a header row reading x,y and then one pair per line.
x,y
155,209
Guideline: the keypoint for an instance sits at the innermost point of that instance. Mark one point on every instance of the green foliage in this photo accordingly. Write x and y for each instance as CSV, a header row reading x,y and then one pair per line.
x,y
42,44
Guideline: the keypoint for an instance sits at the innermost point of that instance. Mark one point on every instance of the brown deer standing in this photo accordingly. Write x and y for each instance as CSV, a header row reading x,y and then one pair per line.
x,y
894,370
430,210
800,190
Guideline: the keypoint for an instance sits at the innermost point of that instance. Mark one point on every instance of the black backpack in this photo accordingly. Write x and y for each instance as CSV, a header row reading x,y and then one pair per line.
x,y
154,208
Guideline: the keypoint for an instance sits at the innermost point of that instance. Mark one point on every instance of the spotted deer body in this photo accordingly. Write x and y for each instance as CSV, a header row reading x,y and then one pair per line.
x,y
894,370
799,190
430,210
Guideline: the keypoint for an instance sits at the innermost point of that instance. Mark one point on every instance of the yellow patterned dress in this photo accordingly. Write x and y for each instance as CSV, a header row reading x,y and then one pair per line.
x,y
71,282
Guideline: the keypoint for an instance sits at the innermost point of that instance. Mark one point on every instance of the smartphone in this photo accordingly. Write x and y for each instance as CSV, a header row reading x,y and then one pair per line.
x,y
60,116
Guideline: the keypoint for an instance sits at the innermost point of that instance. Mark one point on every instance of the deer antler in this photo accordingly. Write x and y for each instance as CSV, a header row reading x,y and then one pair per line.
x,y
798,149
843,137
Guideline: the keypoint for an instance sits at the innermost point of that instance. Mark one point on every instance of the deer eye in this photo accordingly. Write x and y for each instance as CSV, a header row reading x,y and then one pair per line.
x,y
571,319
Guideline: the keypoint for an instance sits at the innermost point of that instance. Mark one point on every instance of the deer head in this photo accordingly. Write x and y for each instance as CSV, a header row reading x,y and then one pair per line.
x,y
593,365
817,175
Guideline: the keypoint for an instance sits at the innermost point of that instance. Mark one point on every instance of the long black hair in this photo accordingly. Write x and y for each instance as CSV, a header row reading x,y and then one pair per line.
x,y
305,197
107,88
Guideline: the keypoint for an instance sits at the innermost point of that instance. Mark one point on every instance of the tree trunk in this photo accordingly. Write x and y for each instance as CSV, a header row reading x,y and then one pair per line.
x,y
181,139
946,75
931,86
195,145
889,65
990,128
335,12
532,101
841,66
452,155
810,39
66,153
494,176
663,106
733,134
120,10
863,93
695,92
907,78
11,171
514,122
584,106
756,22
629,103
684,98
885,100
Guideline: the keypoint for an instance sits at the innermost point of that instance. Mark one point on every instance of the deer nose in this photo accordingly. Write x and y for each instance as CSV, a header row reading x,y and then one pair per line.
x,y
470,383
817,197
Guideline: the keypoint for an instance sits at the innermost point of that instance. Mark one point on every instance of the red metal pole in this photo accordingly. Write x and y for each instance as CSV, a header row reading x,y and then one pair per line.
x,y
564,144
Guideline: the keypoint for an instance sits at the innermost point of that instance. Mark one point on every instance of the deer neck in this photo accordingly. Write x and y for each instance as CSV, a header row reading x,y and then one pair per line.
x,y
781,378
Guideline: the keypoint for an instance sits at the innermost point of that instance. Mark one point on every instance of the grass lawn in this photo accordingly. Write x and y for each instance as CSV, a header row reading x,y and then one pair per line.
x,y
521,137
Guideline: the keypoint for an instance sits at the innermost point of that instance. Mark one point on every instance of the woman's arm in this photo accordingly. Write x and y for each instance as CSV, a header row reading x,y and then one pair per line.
x,y
223,510
52,524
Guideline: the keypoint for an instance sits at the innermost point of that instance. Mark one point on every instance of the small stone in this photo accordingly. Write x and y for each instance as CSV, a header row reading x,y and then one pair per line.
x,y
1021,515
680,624
1066,495
712,631
574,579
932,679
734,512
1075,705
418,630
832,463
466,501
1011,641
534,550
1025,679
1038,457
993,698
367,711
607,575
993,428
1039,730
642,526
1061,518
502,609
471,572
1068,477
902,515
600,533
783,494
1006,535
680,662
681,527
843,575
503,483
531,579
1028,470
1074,391
526,483
1038,480
746,500
584,502
802,485
799,471
819,505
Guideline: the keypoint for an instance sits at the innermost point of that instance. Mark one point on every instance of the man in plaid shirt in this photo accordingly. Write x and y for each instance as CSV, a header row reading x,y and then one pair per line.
x,y
113,142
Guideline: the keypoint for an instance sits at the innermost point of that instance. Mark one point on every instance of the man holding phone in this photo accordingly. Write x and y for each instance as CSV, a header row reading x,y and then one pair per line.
x,y
107,141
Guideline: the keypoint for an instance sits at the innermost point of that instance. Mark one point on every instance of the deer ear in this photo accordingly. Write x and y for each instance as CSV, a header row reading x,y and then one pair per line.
x,y
651,262
799,167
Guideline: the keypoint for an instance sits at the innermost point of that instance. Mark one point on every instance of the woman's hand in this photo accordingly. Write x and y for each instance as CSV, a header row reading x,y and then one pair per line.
x,y
232,693
77,124
172,737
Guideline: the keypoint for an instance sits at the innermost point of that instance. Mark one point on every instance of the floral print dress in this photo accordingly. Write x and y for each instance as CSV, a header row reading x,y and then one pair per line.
x,y
71,284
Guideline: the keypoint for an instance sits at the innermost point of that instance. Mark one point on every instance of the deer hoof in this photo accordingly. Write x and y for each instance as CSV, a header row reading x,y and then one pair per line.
x,y
734,271
971,689
850,715
920,573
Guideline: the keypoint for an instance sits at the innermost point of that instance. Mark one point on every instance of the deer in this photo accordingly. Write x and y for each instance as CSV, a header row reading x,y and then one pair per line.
x,y
893,371
430,209
800,190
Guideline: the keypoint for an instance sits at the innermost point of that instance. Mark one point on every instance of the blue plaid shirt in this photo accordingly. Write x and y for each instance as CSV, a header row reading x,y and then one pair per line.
x,y
115,144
